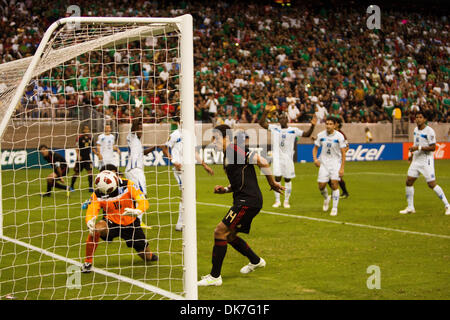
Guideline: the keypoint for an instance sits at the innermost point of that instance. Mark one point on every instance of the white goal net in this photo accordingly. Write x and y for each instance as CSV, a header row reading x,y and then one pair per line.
x,y
90,76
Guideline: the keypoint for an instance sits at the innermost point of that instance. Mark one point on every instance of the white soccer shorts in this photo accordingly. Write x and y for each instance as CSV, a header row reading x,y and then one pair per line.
x,y
283,166
137,175
329,172
426,169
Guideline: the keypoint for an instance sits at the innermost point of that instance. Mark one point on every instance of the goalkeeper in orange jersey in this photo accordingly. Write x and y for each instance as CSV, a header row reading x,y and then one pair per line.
x,y
121,202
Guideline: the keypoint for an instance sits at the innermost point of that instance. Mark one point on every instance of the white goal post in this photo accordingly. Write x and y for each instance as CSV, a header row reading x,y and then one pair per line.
x,y
18,74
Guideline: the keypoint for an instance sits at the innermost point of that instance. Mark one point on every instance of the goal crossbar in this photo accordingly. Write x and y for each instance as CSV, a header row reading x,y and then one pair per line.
x,y
54,58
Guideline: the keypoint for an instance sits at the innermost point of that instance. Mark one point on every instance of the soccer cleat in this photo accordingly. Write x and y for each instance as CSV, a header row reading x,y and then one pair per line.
x,y
144,226
333,212
85,204
154,257
286,205
209,280
251,267
276,204
69,190
344,196
47,194
178,227
86,267
407,210
447,211
326,203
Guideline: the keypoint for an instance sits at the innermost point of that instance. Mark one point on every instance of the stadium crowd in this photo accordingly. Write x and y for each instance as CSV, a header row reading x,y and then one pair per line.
x,y
308,58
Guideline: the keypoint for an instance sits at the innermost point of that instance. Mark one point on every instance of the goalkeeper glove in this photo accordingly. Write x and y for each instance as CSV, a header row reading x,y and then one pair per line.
x,y
91,225
132,212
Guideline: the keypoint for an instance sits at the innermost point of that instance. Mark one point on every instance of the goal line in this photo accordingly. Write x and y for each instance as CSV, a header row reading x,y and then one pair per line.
x,y
133,282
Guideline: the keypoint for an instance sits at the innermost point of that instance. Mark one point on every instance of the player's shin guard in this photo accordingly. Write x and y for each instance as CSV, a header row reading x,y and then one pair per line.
x,y
91,246
343,186
410,196
335,195
440,193
60,186
72,183
218,254
288,186
180,215
90,181
242,247
324,192
277,196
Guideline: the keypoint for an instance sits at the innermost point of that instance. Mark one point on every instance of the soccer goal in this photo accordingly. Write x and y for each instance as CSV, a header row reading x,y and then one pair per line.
x,y
96,71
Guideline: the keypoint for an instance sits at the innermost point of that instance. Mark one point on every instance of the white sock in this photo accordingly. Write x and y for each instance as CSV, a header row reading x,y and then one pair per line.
x,y
180,215
441,195
335,195
324,192
288,191
410,196
277,196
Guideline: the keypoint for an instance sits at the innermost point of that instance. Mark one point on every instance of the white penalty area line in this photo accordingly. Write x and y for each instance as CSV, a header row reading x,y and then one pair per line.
x,y
377,173
373,173
136,283
338,222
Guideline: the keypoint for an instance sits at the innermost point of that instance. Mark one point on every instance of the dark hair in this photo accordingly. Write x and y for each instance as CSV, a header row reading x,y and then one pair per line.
x,y
331,118
109,167
224,130
422,112
42,146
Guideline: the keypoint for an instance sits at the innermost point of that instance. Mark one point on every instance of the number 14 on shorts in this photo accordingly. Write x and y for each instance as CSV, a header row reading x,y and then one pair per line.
x,y
231,215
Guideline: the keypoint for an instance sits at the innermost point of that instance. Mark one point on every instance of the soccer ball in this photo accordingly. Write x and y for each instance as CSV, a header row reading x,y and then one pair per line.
x,y
106,182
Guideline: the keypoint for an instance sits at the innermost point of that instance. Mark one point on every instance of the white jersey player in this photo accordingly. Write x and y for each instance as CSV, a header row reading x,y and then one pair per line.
x,y
106,147
421,154
331,162
175,144
283,139
135,164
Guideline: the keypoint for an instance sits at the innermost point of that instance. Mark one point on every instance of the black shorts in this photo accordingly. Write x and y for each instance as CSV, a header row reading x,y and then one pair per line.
x,y
83,164
239,218
64,171
132,234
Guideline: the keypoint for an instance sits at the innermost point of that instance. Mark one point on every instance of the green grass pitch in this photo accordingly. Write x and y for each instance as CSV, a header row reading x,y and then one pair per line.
x,y
309,254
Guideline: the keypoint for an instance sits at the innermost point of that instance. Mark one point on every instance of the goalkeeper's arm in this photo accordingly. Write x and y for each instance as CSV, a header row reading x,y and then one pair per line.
x,y
92,213
142,203
142,206
138,196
